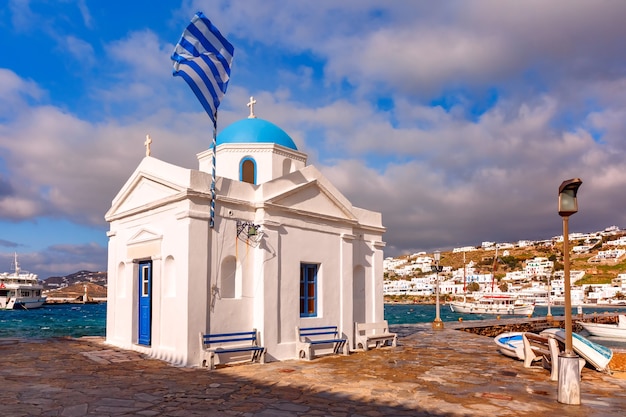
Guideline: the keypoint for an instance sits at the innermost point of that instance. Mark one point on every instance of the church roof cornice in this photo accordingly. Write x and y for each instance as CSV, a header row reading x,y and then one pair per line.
x,y
250,148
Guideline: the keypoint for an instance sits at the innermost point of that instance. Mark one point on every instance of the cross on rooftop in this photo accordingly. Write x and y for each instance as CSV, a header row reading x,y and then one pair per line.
x,y
147,144
251,105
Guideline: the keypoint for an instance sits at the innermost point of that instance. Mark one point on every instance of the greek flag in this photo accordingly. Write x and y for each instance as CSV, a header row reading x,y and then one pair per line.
x,y
203,57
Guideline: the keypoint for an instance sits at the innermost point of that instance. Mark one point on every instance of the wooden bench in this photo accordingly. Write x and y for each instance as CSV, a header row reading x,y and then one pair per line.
x,y
308,337
537,347
376,333
546,349
233,343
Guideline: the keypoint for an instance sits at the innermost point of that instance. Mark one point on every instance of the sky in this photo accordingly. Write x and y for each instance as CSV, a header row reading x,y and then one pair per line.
x,y
457,120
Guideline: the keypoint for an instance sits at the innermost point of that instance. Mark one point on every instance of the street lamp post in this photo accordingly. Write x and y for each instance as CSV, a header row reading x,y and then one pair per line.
x,y
549,315
569,372
438,323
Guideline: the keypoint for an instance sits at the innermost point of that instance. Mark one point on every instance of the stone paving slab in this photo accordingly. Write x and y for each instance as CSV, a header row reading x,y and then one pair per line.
x,y
444,373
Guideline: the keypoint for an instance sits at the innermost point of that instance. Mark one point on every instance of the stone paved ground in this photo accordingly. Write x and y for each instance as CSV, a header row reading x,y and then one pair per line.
x,y
447,373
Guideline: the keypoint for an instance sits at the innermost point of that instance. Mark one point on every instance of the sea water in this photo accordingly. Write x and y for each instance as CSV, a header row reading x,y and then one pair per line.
x,y
54,320
77,320
425,313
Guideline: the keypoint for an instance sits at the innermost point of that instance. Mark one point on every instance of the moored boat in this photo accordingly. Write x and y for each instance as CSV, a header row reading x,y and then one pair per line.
x,y
511,344
595,354
20,289
609,331
501,304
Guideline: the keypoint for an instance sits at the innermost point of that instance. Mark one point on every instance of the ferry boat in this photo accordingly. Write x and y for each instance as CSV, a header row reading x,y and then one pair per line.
x,y
501,304
20,289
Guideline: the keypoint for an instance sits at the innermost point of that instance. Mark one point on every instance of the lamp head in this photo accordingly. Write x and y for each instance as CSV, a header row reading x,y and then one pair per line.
x,y
568,204
437,256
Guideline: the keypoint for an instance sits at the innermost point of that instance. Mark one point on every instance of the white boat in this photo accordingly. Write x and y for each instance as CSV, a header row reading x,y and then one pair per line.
x,y
511,344
595,354
504,304
20,289
609,331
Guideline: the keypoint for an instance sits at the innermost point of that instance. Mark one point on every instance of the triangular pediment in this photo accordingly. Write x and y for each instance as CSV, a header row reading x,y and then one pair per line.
x,y
148,190
143,191
143,236
314,198
153,183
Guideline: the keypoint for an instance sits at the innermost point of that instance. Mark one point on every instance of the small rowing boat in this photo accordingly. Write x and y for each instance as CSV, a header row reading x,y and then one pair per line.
x,y
511,344
608,331
595,354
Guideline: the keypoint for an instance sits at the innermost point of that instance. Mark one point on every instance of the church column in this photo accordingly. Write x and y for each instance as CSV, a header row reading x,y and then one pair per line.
x,y
112,288
377,278
195,250
267,314
346,276
157,301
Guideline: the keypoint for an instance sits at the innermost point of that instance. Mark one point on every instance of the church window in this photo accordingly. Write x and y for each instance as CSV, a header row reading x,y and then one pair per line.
x,y
247,170
169,277
286,166
308,290
228,280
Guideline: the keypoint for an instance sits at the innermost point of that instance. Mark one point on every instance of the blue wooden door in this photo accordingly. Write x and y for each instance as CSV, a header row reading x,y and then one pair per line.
x,y
145,303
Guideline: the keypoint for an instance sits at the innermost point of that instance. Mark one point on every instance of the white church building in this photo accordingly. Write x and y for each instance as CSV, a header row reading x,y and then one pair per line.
x,y
287,249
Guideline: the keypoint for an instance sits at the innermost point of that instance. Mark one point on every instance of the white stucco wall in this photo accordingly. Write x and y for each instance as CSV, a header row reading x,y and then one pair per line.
x,y
269,158
162,214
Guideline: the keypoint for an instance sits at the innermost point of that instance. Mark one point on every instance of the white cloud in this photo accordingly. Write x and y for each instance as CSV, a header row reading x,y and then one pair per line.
x,y
79,49
15,92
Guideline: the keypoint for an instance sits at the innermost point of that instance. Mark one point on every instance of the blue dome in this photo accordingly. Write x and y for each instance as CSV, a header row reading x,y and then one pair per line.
x,y
255,131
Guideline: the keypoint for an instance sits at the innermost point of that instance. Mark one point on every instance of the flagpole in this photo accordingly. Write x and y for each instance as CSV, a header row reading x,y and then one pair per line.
x,y
213,149
493,274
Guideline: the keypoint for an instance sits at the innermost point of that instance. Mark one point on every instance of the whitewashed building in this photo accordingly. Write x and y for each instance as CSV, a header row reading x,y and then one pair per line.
x,y
287,249
538,267
617,242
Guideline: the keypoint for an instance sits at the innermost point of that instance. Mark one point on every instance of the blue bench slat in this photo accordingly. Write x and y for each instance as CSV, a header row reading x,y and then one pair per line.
x,y
229,337
230,334
318,331
317,334
209,340
318,328
317,342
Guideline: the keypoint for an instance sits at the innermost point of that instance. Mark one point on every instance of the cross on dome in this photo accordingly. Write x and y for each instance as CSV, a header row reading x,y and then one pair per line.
x,y
251,105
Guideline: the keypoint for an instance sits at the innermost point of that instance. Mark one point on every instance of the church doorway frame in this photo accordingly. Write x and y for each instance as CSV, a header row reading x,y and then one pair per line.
x,y
144,305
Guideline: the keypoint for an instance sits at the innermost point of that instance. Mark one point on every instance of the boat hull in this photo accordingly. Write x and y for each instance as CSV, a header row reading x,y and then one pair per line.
x,y
511,344
608,331
474,308
28,304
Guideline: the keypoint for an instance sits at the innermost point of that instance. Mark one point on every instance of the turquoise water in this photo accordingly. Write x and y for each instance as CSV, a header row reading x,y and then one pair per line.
x,y
54,320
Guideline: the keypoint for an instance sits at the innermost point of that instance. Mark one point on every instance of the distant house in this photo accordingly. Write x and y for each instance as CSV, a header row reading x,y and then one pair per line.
x,y
581,249
538,267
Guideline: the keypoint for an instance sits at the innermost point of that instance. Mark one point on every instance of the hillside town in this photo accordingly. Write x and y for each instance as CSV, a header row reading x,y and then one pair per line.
x,y
530,270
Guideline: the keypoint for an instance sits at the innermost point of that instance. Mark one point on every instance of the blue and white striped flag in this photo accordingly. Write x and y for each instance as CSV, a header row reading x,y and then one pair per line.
x,y
203,57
